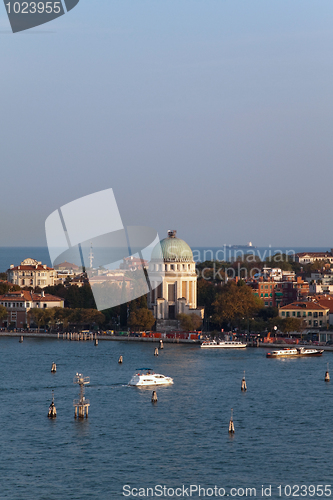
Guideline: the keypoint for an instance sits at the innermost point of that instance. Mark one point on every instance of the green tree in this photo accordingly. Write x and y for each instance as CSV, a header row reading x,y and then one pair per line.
x,y
189,322
3,313
288,325
92,317
141,319
38,316
235,302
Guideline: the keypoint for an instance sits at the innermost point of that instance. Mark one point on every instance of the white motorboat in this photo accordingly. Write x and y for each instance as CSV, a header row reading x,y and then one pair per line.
x,y
223,344
145,377
294,352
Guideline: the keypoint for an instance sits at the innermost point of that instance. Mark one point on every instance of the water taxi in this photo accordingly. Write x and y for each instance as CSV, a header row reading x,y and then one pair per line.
x,y
294,352
223,344
146,377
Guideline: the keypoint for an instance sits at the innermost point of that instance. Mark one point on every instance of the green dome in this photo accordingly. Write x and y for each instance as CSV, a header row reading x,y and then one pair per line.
x,y
173,250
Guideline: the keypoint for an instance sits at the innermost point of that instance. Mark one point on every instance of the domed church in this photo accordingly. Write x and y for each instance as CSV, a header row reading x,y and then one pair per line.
x,y
174,270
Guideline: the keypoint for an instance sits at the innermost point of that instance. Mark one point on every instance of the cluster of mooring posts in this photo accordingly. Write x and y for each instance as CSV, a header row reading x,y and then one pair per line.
x,y
52,409
79,336
120,360
53,367
81,404
156,351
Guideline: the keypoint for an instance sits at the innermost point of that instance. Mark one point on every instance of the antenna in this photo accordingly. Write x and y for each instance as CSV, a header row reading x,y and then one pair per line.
x,y
91,256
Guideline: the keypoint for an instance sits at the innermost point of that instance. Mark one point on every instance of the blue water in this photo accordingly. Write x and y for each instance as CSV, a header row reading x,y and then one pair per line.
x,y
15,255
283,422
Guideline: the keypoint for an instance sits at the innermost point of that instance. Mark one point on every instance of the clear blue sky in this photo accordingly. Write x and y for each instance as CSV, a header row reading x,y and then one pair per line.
x,y
211,117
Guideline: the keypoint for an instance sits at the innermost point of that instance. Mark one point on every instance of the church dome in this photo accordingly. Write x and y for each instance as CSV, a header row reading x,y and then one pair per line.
x,y
173,249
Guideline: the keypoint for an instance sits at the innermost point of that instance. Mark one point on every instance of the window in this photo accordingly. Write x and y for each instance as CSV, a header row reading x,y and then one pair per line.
x,y
309,313
310,322
294,313
283,313
298,314
320,314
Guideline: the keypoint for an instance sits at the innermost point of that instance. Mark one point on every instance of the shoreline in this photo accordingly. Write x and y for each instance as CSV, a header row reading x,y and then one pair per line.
x,y
122,338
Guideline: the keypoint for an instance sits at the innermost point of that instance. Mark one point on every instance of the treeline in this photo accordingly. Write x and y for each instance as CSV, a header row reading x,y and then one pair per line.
x,y
64,319
231,305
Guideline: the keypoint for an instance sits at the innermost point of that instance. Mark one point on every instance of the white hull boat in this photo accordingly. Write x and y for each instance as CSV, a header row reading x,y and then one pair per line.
x,y
147,378
212,344
294,353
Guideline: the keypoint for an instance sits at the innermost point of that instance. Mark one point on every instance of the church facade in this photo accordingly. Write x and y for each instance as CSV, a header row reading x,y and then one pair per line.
x,y
173,280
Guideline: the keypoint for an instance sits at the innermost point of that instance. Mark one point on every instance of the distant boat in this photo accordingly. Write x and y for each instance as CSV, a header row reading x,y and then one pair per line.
x,y
297,352
248,245
223,344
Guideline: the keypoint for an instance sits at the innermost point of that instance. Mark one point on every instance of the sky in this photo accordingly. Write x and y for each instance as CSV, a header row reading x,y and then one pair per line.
x,y
212,117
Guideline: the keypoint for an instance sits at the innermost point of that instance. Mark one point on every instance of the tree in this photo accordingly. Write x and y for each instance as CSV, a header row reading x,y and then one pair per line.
x,y
141,319
235,302
92,317
61,316
207,292
189,322
3,313
38,316
288,325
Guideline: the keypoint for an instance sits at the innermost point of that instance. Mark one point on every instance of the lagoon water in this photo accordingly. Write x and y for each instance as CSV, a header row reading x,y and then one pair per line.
x,y
283,422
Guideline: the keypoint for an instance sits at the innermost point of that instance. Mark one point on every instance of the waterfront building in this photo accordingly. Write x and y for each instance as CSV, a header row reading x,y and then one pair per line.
x,y
31,273
313,314
325,301
19,303
311,257
173,281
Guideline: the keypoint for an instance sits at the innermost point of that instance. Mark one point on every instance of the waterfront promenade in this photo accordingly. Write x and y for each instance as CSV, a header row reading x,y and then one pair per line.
x,y
123,338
